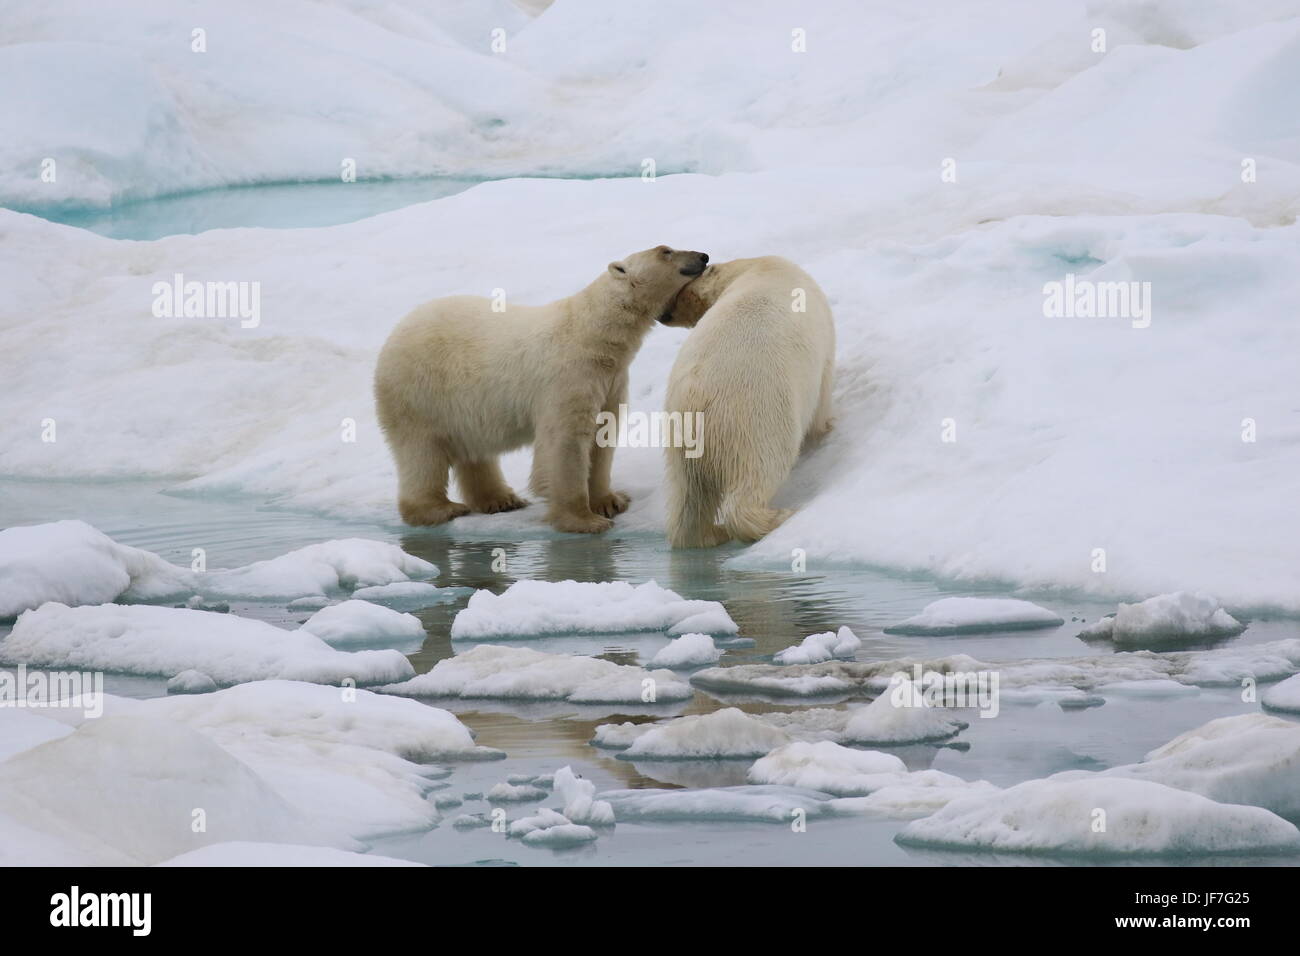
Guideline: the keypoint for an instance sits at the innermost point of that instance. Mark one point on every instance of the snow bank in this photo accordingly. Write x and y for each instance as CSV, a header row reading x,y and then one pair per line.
x,y
968,615
816,648
242,853
1064,816
528,608
686,653
360,622
70,562
520,673
163,641
1165,618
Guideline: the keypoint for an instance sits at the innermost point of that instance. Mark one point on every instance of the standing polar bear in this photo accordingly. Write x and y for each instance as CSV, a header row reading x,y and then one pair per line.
x,y
458,383
759,367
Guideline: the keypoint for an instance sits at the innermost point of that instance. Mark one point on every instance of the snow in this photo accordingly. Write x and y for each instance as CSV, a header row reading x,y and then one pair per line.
x,y
766,804
1026,678
816,648
1284,696
686,653
1165,618
969,615
163,641
520,673
243,853
550,829
885,721
271,761
843,772
1247,759
515,793
406,595
360,622
1141,818
726,733
1117,166
528,608
191,682
70,562
580,803
22,729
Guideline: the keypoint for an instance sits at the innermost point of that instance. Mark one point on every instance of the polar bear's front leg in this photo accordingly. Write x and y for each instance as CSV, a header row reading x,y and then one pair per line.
x,y
603,500
563,451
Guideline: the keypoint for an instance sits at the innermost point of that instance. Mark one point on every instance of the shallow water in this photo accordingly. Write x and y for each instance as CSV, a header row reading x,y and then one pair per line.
x,y
276,206
773,609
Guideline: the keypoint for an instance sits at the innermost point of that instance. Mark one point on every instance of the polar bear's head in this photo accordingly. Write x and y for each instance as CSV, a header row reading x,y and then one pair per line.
x,y
695,298
653,277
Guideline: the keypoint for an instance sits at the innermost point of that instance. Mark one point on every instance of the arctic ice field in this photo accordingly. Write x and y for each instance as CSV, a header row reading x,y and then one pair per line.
x,y
1037,603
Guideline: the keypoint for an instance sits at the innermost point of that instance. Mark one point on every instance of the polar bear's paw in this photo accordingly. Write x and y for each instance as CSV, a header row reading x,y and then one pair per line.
x,y
610,504
428,513
581,524
506,501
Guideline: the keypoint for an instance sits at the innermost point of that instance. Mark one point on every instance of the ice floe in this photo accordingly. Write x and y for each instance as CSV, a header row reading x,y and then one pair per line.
x,y
520,673
970,615
686,652
163,642
547,828
530,608
406,595
816,648
360,622
73,563
901,715
1284,696
1095,816
1163,619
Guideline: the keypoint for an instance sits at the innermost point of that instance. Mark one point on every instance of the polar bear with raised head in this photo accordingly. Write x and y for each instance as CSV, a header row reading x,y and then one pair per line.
x,y
459,383
758,367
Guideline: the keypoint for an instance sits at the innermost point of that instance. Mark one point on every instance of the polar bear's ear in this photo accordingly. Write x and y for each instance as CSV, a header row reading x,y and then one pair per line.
x,y
618,270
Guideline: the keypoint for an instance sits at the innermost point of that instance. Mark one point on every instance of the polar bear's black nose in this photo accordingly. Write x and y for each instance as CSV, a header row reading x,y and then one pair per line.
x,y
704,257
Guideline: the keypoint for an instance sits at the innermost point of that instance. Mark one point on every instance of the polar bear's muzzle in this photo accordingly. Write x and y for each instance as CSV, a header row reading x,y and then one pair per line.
x,y
695,268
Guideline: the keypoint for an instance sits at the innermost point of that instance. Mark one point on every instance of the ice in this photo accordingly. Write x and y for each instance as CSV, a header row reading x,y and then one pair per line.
x,y
816,648
163,641
892,719
406,595
1028,678
515,793
1248,759
191,682
969,615
1165,618
22,729
70,562
580,803
766,804
686,653
238,853
1091,816
843,772
529,608
550,829
360,622
727,733
1284,696
520,673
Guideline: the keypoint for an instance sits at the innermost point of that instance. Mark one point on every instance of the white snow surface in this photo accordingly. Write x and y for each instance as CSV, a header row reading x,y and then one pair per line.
x,y
521,673
1119,166
816,648
1163,618
1284,696
686,652
239,853
164,641
360,622
529,608
971,615
1142,818
71,562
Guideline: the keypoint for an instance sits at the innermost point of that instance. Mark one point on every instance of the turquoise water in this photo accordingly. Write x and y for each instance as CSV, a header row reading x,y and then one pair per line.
x,y
279,206
774,609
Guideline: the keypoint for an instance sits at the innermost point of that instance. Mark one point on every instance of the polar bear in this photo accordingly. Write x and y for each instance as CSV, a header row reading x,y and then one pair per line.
x,y
758,367
458,383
